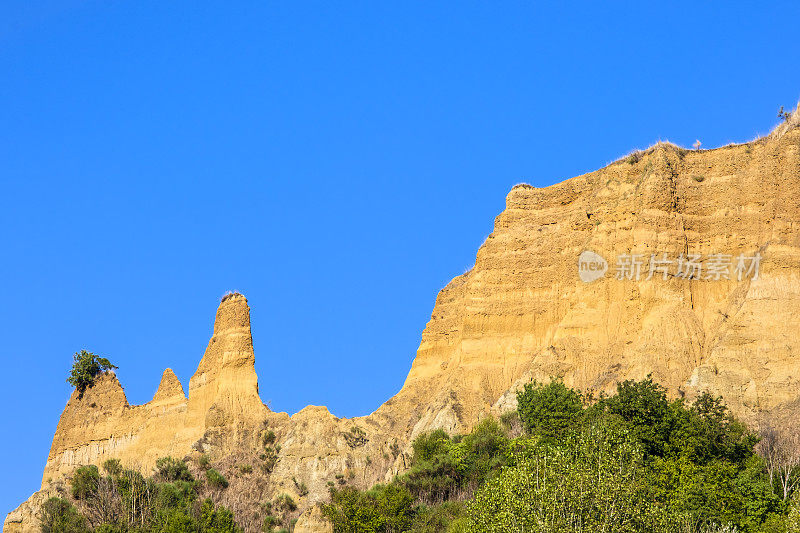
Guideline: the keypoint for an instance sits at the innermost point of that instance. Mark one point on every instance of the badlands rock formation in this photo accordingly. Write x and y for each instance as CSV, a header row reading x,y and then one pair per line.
x,y
521,313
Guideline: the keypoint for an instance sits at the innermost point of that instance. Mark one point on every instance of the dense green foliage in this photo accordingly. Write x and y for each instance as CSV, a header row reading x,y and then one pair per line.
x,y
631,462
593,482
85,368
85,482
124,501
170,469
215,479
445,468
549,411
384,508
60,516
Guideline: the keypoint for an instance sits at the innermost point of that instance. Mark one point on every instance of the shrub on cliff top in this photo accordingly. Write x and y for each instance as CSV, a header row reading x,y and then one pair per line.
x,y
85,369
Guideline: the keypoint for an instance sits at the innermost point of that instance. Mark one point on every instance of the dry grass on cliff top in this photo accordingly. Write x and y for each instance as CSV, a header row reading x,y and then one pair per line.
x,y
230,294
791,122
634,156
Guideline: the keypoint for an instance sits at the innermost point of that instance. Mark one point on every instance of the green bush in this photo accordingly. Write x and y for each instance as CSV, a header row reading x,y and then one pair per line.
x,y
270,459
592,482
85,368
216,520
270,523
435,478
127,502
384,508
356,437
284,503
630,462
438,518
215,479
429,445
549,410
170,469
59,516
112,467
301,487
108,528
85,481
204,462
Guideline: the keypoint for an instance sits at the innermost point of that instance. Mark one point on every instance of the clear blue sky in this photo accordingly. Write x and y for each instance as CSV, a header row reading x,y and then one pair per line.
x,y
338,163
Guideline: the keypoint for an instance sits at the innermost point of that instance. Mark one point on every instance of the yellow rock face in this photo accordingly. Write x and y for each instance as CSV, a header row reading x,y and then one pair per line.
x,y
224,390
523,312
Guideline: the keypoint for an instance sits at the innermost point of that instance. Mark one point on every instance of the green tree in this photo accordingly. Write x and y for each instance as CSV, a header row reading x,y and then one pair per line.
x,y
714,433
549,410
85,481
112,467
216,520
591,483
631,462
176,521
85,368
59,516
383,509
352,511
133,489
643,405
170,469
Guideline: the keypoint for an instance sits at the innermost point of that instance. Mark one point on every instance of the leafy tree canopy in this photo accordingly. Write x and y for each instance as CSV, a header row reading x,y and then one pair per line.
x,y
85,368
634,461
549,410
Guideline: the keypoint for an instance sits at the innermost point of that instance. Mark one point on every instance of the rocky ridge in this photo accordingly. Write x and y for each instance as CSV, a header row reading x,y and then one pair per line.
x,y
521,313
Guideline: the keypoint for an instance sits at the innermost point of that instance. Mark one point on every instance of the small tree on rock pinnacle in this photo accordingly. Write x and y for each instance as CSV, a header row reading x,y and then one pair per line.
x,y
85,369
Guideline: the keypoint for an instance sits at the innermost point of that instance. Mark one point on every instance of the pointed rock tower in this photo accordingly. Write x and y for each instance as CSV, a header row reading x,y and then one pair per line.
x,y
225,387
223,397
170,391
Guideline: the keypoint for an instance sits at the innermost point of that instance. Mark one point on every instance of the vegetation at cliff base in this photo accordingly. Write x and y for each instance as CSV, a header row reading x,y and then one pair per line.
x,y
630,462
119,500
85,369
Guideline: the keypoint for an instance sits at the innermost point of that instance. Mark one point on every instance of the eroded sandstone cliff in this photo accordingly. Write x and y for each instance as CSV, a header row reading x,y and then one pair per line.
x,y
521,313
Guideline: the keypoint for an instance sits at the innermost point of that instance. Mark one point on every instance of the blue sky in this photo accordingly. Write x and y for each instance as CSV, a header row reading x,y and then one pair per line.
x,y
338,163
